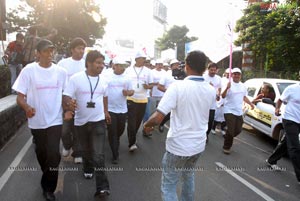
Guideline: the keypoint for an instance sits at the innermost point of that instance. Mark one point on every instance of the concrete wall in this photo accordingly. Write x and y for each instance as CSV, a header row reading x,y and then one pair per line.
x,y
11,118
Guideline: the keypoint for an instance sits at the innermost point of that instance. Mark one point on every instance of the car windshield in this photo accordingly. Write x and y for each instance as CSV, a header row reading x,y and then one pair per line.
x,y
281,86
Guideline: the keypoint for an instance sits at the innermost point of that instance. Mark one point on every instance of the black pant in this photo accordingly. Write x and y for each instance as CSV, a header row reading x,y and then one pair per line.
x,y
70,139
292,130
136,113
210,121
92,139
115,130
234,128
48,155
166,118
279,151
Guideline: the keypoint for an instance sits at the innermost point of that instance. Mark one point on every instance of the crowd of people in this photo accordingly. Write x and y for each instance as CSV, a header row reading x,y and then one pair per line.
x,y
79,101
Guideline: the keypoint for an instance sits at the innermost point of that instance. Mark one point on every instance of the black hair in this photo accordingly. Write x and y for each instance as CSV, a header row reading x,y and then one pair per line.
x,y
92,56
196,60
19,35
211,65
77,42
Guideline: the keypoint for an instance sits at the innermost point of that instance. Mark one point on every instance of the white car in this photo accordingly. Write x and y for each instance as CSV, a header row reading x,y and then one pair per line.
x,y
263,117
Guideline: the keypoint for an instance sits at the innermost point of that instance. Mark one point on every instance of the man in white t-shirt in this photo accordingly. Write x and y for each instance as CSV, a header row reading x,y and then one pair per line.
x,y
291,123
188,101
163,85
91,115
119,87
141,78
214,80
234,94
40,86
73,64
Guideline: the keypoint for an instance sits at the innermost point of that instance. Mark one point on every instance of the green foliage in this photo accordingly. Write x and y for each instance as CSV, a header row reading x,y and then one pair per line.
x,y
72,18
274,36
175,37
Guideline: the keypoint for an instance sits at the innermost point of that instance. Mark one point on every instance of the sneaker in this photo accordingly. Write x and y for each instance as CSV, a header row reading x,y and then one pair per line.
x,y
65,152
226,151
49,196
132,148
115,161
78,160
147,134
161,128
88,175
273,166
223,132
102,193
213,131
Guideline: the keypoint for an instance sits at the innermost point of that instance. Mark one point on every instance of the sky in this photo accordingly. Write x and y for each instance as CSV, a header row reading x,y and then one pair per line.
x,y
206,19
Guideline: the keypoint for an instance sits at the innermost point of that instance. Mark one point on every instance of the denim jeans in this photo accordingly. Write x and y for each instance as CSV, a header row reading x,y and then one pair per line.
x,y
70,138
92,139
48,155
115,131
174,169
292,130
14,69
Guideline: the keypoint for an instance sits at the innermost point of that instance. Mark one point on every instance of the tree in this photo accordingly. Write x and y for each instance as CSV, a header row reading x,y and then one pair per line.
x,y
175,37
72,18
273,36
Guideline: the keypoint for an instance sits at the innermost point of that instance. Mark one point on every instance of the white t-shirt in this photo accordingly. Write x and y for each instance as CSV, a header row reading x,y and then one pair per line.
x,y
138,77
116,101
167,79
43,88
291,95
79,88
72,66
233,102
157,75
216,82
189,102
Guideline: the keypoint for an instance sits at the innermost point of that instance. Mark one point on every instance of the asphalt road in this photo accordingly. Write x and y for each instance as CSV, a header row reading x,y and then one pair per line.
x,y
240,176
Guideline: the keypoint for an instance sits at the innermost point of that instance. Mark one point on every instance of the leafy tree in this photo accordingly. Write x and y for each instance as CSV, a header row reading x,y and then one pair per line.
x,y
273,36
175,37
72,18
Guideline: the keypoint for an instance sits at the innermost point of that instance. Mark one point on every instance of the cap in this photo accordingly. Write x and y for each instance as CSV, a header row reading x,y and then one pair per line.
x,y
140,54
119,60
159,61
236,70
173,61
166,64
227,70
44,44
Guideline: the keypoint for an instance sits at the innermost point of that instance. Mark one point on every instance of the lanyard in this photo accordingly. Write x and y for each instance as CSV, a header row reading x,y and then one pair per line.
x,y
138,75
92,91
200,79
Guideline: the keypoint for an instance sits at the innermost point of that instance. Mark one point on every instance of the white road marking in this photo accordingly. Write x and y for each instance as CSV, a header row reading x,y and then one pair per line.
x,y
246,183
6,175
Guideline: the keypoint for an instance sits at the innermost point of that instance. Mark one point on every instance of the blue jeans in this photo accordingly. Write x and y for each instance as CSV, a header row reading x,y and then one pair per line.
x,y
14,72
92,138
175,167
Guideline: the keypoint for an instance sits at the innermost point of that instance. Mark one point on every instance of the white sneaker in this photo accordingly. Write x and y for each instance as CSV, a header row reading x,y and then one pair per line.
x,y
88,175
213,131
223,132
273,166
65,152
78,160
132,148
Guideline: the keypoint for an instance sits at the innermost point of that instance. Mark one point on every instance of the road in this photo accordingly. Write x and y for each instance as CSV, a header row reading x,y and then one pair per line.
x,y
240,176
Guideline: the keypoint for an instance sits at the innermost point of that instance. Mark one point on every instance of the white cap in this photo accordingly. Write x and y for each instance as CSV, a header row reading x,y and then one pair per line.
x,y
140,54
227,70
166,64
119,60
173,61
236,70
159,61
